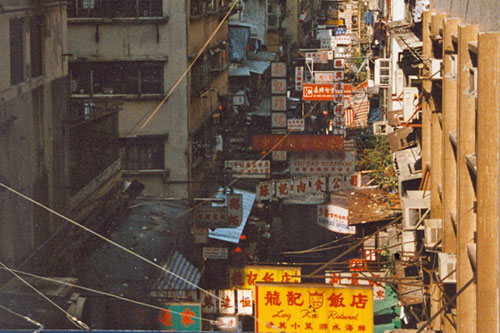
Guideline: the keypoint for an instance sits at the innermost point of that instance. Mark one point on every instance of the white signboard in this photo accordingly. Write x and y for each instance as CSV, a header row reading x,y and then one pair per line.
x,y
338,75
338,88
211,217
284,188
336,183
328,44
338,98
245,301
278,120
352,279
278,86
227,304
335,218
322,164
323,33
265,191
215,252
296,125
299,78
227,323
249,169
278,69
339,63
343,40
234,208
338,110
278,103
324,77
320,57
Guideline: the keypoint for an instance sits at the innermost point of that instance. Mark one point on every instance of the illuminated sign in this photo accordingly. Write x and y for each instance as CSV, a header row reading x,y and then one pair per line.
x,y
313,308
248,276
318,92
180,317
298,142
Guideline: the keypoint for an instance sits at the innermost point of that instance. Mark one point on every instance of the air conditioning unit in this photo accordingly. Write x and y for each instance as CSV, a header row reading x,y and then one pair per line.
x,y
433,229
381,128
410,102
400,79
452,73
447,263
408,245
473,82
436,68
383,72
414,212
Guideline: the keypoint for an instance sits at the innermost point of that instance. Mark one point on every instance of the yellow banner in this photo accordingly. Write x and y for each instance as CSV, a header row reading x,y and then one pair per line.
x,y
313,308
248,276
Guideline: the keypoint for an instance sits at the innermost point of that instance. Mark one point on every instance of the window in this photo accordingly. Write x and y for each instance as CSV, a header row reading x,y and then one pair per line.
x,y
36,45
197,7
146,153
273,14
115,8
119,77
16,51
200,76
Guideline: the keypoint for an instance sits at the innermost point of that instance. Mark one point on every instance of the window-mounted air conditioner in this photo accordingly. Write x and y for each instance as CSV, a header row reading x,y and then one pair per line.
x,y
381,128
410,103
447,264
433,229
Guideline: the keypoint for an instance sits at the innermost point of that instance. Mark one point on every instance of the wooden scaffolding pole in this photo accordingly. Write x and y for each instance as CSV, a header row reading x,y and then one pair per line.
x,y
426,85
488,260
466,146
449,171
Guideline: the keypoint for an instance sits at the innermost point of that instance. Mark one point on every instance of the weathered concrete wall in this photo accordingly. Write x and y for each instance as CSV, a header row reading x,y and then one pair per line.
x,y
255,12
291,21
147,40
34,159
485,13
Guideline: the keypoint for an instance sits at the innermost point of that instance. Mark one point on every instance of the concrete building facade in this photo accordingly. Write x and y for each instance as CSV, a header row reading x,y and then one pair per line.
x,y
130,55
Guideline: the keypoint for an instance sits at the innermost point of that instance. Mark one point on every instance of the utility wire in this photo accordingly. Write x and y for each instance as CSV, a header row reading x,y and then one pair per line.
x,y
181,77
77,322
125,299
28,319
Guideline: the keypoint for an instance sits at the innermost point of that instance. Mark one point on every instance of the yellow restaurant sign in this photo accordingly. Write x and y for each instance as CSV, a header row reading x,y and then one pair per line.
x,y
313,308
248,276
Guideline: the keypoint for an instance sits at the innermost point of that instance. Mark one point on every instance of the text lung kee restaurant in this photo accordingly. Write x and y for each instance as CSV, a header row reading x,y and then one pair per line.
x,y
313,308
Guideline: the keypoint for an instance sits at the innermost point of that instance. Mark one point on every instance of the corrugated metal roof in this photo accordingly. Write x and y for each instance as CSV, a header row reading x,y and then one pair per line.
x,y
180,266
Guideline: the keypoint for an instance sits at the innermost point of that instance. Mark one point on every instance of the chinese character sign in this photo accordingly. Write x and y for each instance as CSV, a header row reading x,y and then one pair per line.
x,y
335,218
245,301
265,191
322,163
313,308
247,277
358,279
278,69
234,208
249,169
180,317
278,103
299,77
209,302
318,92
211,217
324,77
227,303
278,120
296,125
278,86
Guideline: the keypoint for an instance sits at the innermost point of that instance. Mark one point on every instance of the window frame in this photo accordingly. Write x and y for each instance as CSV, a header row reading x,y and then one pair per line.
x,y
16,50
88,73
109,9
140,160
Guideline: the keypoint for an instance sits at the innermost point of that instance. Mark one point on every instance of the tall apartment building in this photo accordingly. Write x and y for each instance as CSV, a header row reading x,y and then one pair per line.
x,y
129,54
47,153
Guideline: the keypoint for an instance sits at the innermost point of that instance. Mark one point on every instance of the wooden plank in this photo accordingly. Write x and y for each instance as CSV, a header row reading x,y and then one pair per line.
x,y
487,182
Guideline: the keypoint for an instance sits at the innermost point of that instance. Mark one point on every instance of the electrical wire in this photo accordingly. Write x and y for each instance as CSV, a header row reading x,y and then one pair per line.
x,y
28,319
77,322
181,77
125,299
